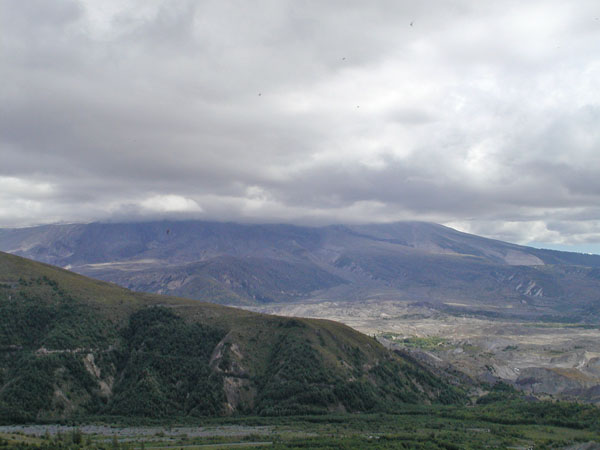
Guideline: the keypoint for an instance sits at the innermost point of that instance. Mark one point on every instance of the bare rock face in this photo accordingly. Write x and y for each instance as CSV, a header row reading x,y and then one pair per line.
x,y
240,392
105,383
553,381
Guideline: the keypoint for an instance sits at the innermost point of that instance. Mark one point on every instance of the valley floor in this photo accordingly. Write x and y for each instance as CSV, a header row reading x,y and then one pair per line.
x,y
419,428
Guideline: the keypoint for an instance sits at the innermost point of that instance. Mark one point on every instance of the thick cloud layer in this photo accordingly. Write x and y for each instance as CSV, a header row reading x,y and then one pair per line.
x,y
482,115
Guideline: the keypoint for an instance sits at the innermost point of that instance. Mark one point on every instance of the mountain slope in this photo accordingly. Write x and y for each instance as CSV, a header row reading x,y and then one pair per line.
x,y
436,238
225,279
71,346
256,264
190,241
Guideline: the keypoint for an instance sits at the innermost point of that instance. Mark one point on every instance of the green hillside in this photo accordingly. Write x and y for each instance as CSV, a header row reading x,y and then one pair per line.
x,y
72,346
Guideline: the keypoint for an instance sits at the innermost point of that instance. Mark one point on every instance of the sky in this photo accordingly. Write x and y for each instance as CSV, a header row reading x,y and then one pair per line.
x,y
484,116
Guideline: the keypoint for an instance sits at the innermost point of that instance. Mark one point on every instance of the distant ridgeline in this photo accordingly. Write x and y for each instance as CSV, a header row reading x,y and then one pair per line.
x,y
243,264
72,346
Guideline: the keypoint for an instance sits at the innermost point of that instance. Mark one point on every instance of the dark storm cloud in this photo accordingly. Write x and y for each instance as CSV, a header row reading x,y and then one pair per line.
x,y
483,116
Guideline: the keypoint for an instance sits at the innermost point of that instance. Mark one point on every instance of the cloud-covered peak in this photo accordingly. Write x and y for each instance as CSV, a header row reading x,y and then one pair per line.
x,y
481,114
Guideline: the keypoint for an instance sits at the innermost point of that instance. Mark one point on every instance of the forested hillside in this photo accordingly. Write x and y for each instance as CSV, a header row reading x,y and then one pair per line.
x,y
72,346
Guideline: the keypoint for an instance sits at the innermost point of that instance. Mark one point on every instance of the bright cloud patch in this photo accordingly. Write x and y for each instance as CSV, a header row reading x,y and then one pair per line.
x,y
13,186
170,203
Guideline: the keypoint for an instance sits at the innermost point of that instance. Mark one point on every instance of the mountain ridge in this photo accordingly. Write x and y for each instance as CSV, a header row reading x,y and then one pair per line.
x,y
253,264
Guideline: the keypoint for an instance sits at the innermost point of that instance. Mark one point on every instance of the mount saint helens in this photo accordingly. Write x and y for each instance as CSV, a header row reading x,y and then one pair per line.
x,y
244,264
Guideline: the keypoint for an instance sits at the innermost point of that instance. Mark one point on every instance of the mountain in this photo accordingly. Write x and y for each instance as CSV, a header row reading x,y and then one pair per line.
x,y
71,346
244,264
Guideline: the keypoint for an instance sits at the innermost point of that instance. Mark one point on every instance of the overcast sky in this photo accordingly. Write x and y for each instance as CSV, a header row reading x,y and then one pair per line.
x,y
481,115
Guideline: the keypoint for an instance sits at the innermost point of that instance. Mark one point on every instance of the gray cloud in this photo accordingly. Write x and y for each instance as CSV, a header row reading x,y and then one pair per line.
x,y
485,116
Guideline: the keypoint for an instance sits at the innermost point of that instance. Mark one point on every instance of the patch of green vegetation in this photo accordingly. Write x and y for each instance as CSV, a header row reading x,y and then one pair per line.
x,y
44,387
39,313
164,367
424,343
295,380
390,335
44,335
299,380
